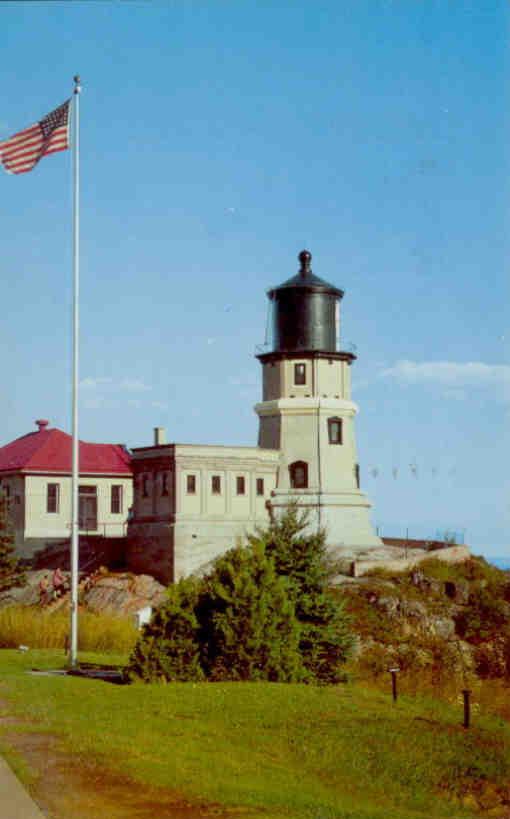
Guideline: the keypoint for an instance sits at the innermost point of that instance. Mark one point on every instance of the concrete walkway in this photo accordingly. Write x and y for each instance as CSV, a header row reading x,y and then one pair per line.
x,y
15,803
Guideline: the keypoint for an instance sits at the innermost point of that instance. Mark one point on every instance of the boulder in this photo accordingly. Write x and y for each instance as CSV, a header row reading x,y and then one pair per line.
x,y
27,595
123,593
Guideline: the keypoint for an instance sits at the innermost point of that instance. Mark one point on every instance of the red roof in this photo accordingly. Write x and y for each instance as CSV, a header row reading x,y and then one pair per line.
x,y
49,450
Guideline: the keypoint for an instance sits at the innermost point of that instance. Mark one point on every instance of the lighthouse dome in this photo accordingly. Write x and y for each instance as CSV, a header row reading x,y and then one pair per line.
x,y
305,311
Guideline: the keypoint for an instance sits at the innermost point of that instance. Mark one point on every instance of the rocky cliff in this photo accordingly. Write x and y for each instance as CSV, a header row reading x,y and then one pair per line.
x,y
436,619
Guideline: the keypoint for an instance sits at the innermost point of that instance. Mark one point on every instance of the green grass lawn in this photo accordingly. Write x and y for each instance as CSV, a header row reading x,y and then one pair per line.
x,y
344,752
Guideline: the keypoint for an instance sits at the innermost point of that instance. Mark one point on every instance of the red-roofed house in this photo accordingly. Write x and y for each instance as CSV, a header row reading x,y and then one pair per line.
x,y
35,474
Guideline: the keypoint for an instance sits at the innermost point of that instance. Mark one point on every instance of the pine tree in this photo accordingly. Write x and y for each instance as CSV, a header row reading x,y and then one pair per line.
x,y
264,612
249,625
169,648
10,570
301,556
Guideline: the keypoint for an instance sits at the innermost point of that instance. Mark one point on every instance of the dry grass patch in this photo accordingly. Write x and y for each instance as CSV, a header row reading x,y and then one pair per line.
x,y
26,625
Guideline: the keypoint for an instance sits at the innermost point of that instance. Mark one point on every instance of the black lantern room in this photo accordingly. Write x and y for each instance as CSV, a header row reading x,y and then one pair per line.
x,y
305,316
305,312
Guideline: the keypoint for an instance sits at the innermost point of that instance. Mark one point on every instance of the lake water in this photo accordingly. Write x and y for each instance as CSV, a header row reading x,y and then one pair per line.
x,y
500,562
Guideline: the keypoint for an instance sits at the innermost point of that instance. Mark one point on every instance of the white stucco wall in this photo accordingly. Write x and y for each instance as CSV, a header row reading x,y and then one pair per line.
x,y
175,542
325,377
39,523
297,425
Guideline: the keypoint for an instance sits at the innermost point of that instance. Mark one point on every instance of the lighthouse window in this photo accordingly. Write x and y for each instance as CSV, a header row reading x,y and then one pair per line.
x,y
299,373
335,430
298,475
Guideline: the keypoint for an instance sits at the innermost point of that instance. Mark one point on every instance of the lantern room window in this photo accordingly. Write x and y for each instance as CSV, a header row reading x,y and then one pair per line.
x,y
335,430
299,475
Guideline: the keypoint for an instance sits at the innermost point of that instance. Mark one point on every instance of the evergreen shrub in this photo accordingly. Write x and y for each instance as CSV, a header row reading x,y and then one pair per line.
x,y
263,613
11,573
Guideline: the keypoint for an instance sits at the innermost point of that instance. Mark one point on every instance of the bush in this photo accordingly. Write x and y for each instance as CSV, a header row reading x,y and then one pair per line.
x,y
262,613
10,570
485,617
249,626
169,647
472,569
326,639
491,659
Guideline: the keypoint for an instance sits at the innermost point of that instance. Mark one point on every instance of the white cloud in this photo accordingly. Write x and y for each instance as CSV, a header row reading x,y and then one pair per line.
x,y
125,385
133,385
452,374
92,383
93,403
108,393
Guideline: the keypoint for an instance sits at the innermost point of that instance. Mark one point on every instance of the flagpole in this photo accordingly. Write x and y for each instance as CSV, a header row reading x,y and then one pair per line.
x,y
73,654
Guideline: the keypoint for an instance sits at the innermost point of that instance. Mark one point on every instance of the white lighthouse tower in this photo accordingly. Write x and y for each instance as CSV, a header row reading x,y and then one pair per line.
x,y
307,412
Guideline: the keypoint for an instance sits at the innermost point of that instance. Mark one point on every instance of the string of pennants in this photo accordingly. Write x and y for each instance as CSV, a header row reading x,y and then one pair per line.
x,y
411,469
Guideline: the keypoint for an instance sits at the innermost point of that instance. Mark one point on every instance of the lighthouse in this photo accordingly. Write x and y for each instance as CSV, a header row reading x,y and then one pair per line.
x,y
307,413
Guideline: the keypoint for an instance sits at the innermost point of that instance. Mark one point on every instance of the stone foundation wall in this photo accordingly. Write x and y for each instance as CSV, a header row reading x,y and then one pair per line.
x,y
150,550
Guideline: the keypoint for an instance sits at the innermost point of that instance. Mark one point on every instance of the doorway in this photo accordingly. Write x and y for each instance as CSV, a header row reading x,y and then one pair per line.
x,y
87,508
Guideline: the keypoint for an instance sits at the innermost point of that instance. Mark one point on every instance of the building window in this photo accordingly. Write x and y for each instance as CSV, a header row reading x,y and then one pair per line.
x,y
116,500
260,486
164,483
216,484
145,491
191,484
52,498
356,474
335,430
298,475
299,373
240,485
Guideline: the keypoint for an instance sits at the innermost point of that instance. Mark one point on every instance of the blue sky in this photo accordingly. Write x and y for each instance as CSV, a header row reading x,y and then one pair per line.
x,y
218,140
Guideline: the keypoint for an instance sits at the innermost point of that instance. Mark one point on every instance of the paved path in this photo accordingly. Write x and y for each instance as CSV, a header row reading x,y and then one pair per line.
x,y
15,803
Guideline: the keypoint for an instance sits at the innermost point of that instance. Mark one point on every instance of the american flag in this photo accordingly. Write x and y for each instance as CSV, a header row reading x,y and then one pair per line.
x,y
21,152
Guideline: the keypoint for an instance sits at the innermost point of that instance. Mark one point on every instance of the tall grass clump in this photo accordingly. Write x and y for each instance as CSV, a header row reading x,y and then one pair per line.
x,y
24,625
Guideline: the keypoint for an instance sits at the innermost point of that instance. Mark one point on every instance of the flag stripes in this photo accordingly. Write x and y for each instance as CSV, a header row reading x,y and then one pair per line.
x,y
21,152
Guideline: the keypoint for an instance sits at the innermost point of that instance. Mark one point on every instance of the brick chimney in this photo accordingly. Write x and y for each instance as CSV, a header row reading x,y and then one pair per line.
x,y
159,436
